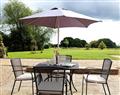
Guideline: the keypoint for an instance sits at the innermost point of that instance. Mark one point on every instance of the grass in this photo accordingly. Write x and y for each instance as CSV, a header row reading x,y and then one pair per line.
x,y
77,53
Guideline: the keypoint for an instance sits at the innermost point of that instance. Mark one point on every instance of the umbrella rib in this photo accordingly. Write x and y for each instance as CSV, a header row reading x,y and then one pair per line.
x,y
56,22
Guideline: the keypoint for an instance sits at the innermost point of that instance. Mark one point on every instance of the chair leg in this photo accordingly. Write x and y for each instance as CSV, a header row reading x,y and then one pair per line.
x,y
73,84
108,89
104,89
70,85
13,87
66,87
86,87
20,85
82,85
32,88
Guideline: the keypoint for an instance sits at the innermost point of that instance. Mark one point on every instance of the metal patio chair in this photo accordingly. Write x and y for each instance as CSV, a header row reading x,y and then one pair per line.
x,y
19,74
64,59
98,77
53,87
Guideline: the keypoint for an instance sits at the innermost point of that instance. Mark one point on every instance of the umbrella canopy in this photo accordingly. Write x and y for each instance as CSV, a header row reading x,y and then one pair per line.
x,y
59,18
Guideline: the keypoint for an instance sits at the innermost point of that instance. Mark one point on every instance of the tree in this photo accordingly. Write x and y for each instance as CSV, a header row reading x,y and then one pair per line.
x,y
6,39
1,38
102,45
93,44
34,46
73,42
20,40
77,42
66,42
20,36
2,48
42,36
87,46
83,42
109,43
13,11
70,40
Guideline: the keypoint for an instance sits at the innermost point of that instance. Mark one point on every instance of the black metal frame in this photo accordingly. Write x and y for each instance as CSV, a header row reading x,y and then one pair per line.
x,y
103,72
38,77
21,72
69,57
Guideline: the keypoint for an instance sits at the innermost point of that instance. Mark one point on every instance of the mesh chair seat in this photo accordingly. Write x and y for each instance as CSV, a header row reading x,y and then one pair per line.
x,y
53,87
94,78
24,76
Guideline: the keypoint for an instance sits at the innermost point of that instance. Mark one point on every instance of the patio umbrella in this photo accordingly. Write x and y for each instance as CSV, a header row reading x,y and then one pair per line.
x,y
59,18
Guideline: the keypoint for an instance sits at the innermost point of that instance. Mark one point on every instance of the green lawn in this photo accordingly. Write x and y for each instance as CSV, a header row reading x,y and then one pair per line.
x,y
77,53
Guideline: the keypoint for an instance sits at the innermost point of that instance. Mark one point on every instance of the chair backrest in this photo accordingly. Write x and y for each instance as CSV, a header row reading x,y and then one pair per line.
x,y
16,66
38,72
64,58
107,63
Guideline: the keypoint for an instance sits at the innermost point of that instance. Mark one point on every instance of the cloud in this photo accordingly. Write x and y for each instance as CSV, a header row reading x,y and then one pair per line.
x,y
102,9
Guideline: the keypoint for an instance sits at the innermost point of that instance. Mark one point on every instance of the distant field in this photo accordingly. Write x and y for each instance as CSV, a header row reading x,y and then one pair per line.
x,y
77,53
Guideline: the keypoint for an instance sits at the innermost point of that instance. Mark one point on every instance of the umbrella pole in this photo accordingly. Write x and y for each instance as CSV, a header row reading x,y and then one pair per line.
x,y
57,43
57,47
57,21
58,38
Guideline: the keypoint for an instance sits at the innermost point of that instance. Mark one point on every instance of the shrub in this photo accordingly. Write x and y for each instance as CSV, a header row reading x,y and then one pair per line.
x,y
102,45
87,46
1,39
2,50
46,46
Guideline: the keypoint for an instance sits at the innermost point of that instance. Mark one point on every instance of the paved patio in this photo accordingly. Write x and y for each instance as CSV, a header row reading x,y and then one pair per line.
x,y
6,81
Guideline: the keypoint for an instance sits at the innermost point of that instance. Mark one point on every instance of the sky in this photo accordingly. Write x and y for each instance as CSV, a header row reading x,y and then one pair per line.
x,y
106,10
